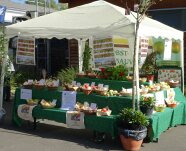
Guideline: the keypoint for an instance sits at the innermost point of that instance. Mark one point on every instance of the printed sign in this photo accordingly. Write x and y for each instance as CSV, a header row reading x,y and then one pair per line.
x,y
26,94
25,53
2,13
122,52
144,44
103,52
68,100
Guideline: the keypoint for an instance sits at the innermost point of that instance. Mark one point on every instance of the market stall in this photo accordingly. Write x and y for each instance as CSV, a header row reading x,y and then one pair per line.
x,y
89,22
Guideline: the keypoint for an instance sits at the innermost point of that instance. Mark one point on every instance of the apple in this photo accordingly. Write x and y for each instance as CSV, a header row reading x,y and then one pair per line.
x,y
104,110
175,47
158,47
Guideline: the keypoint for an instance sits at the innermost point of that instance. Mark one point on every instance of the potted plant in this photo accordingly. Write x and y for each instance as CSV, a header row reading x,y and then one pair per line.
x,y
147,104
149,66
132,128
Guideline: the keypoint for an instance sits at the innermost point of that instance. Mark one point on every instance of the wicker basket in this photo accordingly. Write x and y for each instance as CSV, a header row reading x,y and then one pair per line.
x,y
173,84
125,94
81,75
100,113
87,92
52,88
28,86
172,105
39,86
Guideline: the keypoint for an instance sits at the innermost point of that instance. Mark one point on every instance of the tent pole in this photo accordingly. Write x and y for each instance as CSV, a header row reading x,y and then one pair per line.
x,y
4,60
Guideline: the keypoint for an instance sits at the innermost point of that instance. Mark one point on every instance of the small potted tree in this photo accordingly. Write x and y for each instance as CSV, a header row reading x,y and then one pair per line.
x,y
132,128
147,104
149,66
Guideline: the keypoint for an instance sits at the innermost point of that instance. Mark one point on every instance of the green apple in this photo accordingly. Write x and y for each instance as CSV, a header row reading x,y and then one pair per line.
x,y
175,47
158,47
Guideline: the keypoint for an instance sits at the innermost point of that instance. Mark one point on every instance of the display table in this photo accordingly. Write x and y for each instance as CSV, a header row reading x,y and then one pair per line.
x,y
160,121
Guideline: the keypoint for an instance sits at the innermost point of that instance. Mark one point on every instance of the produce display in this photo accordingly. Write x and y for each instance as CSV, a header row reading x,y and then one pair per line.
x,y
32,101
47,104
159,107
171,103
103,112
85,108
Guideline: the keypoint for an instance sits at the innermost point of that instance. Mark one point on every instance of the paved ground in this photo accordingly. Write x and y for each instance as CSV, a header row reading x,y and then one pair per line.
x,y
51,136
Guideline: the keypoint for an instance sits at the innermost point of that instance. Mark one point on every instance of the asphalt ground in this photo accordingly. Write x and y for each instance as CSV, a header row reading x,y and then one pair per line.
x,y
53,136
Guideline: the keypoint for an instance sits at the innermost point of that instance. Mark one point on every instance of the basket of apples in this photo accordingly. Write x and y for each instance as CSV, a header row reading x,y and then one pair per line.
x,y
103,112
87,89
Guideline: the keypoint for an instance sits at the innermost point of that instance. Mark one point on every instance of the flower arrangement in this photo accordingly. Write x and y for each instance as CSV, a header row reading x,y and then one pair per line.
x,y
114,73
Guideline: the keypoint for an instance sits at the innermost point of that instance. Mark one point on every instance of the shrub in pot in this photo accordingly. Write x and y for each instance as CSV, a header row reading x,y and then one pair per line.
x,y
147,104
132,128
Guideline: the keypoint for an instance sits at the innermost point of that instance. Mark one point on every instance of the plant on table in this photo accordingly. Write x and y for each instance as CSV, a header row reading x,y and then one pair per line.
x,y
147,104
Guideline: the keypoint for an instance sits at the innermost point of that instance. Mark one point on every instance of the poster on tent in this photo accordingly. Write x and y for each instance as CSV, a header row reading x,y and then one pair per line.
x,y
122,53
144,45
103,52
25,53
170,74
168,52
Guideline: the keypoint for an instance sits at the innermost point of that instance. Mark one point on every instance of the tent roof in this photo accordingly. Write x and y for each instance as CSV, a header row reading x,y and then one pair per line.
x,y
98,18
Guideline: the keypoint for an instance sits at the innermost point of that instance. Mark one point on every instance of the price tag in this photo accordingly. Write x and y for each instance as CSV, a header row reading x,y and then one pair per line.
x,y
106,86
78,84
30,81
100,85
93,106
73,82
93,84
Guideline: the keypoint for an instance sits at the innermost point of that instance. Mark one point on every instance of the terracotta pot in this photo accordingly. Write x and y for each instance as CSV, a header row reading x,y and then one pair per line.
x,y
150,77
130,144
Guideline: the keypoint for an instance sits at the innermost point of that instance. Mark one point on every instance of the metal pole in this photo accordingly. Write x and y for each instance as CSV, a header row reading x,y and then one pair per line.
x,y
36,3
45,7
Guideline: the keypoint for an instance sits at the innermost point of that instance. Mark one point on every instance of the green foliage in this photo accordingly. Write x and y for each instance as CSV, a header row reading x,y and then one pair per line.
x,y
20,77
147,101
114,73
86,57
67,75
149,65
133,117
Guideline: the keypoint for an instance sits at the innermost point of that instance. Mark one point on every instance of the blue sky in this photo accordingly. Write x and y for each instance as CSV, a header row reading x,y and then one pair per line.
x,y
22,1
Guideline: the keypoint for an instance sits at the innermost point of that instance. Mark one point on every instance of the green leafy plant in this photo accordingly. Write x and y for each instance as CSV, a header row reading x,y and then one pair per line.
x,y
132,119
147,101
67,75
114,73
86,58
149,66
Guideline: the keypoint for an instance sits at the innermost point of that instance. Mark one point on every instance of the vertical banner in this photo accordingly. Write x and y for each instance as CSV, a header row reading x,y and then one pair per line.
x,y
2,13
144,44
103,52
25,53
123,54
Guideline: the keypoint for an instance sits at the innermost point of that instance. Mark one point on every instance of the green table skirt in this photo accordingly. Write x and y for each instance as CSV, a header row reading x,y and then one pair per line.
x,y
159,121
105,124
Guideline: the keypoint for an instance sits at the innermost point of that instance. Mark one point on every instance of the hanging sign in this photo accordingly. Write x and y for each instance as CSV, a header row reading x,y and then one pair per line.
x,y
25,53
122,53
2,13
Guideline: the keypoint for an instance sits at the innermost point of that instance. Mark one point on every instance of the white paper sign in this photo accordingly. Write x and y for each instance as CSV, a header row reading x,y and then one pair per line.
x,y
68,100
78,84
73,82
93,84
171,94
160,97
100,85
167,49
26,94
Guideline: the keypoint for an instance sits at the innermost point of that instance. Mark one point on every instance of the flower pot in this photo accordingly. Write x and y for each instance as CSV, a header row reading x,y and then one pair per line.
x,y
150,77
132,139
146,110
130,144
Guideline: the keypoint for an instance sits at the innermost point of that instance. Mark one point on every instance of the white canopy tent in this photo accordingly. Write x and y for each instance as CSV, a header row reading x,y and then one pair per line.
x,y
95,19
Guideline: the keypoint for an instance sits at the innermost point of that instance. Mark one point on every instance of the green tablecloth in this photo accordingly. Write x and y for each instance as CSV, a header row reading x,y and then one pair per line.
x,y
159,121
113,84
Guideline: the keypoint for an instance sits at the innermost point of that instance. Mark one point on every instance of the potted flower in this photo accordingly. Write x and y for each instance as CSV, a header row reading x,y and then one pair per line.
x,y
132,128
149,66
147,104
